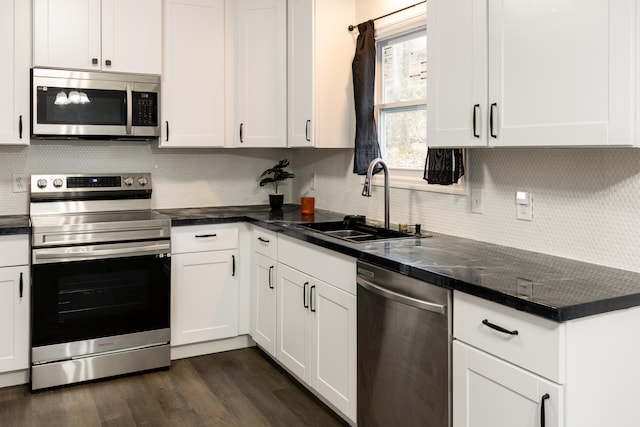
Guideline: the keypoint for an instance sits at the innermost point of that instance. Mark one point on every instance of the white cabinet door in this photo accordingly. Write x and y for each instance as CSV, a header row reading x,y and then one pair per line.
x,y
489,392
320,92
14,318
294,340
193,80
132,36
107,35
457,77
204,296
557,74
263,282
333,373
261,73
300,71
67,34
562,74
14,49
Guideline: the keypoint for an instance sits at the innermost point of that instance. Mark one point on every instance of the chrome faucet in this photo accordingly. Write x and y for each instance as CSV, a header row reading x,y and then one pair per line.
x,y
366,191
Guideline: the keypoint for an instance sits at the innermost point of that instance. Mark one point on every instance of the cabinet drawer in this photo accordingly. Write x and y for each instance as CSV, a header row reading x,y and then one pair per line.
x,y
265,242
324,264
14,250
538,345
200,238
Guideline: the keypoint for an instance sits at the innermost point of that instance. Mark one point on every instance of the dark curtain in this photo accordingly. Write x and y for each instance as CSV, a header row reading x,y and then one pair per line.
x,y
443,166
364,68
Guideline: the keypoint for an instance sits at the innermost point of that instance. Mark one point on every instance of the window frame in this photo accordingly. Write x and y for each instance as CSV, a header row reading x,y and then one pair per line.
x,y
390,28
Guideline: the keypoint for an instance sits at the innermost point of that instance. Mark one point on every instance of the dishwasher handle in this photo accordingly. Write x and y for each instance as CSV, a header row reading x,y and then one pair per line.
x,y
414,302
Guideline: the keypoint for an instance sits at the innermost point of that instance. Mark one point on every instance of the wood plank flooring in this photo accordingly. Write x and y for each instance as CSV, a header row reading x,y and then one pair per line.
x,y
236,388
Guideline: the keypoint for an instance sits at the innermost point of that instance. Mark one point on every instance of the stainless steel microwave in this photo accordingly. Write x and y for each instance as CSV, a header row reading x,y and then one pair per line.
x,y
68,104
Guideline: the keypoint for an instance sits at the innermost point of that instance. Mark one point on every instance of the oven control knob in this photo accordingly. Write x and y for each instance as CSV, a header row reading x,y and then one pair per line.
x,y
57,183
142,181
42,183
128,181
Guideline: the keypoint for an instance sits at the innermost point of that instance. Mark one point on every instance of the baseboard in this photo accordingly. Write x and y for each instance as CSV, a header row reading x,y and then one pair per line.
x,y
209,347
10,379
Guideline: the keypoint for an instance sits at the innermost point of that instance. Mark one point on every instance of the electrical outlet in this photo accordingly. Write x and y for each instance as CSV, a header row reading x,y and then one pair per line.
x,y
477,205
19,182
524,288
313,181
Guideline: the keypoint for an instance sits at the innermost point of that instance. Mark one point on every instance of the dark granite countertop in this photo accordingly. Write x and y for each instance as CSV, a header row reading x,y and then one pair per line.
x,y
15,224
552,287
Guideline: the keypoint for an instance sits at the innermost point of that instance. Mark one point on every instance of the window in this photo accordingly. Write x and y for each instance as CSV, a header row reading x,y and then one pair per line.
x,y
401,103
402,97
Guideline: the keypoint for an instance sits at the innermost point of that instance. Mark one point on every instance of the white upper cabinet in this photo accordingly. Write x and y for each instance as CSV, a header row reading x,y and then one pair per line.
x,y
14,72
261,75
320,92
106,35
530,73
193,78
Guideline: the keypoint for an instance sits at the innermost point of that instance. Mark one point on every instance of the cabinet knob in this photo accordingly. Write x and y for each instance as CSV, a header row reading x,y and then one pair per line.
x,y
94,61
107,63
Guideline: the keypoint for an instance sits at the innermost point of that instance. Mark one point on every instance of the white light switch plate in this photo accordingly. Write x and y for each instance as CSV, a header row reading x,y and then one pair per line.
x,y
524,211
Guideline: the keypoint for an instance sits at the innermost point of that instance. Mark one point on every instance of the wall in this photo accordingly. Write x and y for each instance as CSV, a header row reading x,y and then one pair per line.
x,y
586,202
182,178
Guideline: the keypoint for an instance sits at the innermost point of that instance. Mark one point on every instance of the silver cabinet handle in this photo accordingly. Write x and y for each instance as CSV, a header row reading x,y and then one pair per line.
x,y
270,277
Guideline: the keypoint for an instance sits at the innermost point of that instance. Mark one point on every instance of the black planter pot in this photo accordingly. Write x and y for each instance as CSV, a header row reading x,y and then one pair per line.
x,y
276,201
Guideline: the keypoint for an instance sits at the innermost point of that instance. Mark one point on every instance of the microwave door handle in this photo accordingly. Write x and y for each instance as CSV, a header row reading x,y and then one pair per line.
x,y
129,109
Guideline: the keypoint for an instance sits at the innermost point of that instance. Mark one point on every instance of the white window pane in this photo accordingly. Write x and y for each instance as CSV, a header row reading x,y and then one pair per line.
x,y
404,67
405,136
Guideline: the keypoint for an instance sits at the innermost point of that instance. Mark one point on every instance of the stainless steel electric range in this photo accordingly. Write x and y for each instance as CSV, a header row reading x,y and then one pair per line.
x,y
100,278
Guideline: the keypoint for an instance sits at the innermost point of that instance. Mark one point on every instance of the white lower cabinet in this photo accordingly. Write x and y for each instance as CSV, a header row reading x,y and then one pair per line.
x,y
15,301
586,366
317,335
204,283
304,314
294,321
489,392
316,320
264,296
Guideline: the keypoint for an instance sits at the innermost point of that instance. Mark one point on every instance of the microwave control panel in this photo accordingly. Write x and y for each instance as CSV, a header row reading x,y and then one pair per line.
x,y
145,109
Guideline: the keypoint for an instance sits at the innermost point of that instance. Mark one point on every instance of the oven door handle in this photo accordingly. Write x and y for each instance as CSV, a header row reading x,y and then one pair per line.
x,y
42,256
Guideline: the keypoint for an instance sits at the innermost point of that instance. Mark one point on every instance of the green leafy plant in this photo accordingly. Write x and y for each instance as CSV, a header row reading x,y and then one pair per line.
x,y
276,174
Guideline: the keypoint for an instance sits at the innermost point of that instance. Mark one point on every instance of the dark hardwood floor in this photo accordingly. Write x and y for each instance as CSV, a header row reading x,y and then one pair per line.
x,y
235,388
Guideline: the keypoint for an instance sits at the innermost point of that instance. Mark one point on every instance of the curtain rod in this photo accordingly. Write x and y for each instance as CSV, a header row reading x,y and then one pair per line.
x,y
353,27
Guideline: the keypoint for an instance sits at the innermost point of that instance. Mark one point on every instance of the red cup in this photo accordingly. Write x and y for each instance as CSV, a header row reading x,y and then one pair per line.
x,y
307,205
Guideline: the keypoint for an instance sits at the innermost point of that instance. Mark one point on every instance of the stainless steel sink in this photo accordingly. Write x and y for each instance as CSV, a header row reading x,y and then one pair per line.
x,y
356,231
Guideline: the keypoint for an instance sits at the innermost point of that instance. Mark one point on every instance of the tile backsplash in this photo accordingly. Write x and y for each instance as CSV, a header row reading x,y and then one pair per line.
x,y
586,202
181,177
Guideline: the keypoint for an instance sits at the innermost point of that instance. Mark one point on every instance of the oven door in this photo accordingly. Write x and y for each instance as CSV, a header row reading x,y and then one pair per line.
x,y
79,306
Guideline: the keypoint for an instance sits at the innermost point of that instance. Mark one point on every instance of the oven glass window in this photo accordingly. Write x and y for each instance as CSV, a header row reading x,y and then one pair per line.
x,y
72,106
91,299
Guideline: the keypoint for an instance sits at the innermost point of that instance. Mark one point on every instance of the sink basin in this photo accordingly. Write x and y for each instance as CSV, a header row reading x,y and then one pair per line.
x,y
356,231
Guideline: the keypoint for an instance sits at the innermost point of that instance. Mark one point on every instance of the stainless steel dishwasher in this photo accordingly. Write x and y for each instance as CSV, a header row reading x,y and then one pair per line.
x,y
404,350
